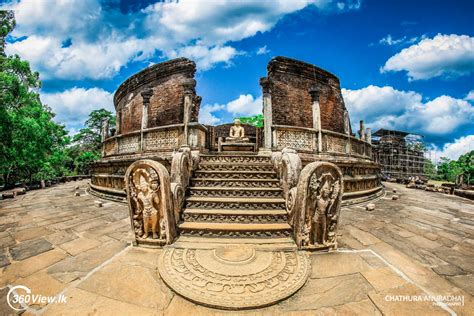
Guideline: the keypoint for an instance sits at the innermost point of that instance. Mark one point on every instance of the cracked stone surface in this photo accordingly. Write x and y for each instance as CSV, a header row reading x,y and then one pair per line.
x,y
56,242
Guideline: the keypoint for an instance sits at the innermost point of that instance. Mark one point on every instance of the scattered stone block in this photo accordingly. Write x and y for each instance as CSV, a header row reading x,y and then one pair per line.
x,y
98,203
4,260
20,191
29,249
8,195
76,188
77,193
395,197
370,207
411,185
394,190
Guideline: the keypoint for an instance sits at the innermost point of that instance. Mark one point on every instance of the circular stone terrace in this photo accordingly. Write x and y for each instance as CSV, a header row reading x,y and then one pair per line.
x,y
53,241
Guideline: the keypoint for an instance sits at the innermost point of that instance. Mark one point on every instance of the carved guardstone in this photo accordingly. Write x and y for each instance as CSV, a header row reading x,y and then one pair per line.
x,y
150,203
316,206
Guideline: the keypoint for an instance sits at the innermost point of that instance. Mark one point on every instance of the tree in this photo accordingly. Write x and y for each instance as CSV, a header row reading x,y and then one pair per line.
x,y
30,141
89,137
430,169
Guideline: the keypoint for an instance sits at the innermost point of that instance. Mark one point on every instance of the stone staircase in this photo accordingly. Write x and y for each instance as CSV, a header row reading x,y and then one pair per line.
x,y
238,197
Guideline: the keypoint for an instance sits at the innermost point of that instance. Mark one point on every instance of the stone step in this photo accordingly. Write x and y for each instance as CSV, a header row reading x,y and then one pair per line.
x,y
268,230
235,159
211,174
235,192
248,183
235,216
236,166
283,243
235,203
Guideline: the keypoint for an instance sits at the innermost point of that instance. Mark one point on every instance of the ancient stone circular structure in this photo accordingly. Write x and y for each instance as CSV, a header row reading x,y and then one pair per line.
x,y
157,111
236,277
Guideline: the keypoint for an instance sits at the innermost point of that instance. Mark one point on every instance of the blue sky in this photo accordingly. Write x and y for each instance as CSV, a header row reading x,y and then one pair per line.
x,y
402,64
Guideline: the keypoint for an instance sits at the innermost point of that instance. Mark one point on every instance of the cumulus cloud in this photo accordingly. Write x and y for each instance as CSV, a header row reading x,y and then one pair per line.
x,y
102,39
470,96
73,106
444,55
206,114
453,150
386,107
244,105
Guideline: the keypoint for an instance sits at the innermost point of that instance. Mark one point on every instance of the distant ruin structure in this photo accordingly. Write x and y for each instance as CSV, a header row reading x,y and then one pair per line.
x,y
401,154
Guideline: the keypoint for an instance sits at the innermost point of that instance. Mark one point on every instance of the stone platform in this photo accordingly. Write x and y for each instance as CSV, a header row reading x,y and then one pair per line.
x,y
54,242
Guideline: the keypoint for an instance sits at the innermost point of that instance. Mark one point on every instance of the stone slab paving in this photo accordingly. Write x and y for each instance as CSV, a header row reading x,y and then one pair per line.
x,y
54,242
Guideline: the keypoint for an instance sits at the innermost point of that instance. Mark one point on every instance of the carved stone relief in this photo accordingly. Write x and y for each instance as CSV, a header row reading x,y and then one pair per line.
x,y
299,140
161,140
150,203
234,277
316,207
129,144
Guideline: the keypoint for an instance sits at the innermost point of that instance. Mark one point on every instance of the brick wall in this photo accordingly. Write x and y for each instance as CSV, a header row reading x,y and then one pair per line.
x,y
167,102
290,81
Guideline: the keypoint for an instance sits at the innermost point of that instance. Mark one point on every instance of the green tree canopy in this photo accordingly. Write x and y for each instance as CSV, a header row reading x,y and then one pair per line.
x,y
31,143
89,137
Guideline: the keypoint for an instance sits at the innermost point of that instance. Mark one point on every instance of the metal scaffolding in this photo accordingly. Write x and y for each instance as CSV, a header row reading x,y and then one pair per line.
x,y
401,154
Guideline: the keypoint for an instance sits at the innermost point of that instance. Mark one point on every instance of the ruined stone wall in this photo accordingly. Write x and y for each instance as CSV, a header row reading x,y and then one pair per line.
x,y
166,105
290,82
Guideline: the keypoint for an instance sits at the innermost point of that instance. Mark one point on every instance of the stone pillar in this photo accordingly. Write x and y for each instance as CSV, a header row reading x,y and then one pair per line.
x,y
146,95
267,114
188,86
347,131
314,92
368,135
105,129
118,124
347,126
362,130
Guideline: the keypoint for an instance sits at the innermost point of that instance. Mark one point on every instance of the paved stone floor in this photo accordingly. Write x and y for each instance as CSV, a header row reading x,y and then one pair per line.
x,y
54,242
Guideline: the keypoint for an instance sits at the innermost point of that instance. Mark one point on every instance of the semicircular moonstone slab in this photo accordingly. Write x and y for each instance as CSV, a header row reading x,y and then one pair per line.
x,y
236,277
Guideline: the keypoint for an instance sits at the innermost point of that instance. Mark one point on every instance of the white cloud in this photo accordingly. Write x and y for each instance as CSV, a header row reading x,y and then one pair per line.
x,y
374,101
263,50
245,104
103,40
444,55
390,41
453,150
78,61
470,96
440,116
72,106
386,107
206,115
204,56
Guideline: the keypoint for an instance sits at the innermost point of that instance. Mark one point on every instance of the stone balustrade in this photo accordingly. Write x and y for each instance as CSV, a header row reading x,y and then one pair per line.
x,y
164,138
305,140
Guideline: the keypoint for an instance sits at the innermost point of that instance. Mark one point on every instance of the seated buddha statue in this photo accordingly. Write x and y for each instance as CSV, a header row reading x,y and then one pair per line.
x,y
237,133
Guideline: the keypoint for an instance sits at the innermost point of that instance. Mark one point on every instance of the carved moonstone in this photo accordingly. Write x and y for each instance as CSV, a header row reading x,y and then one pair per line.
x,y
150,203
234,277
